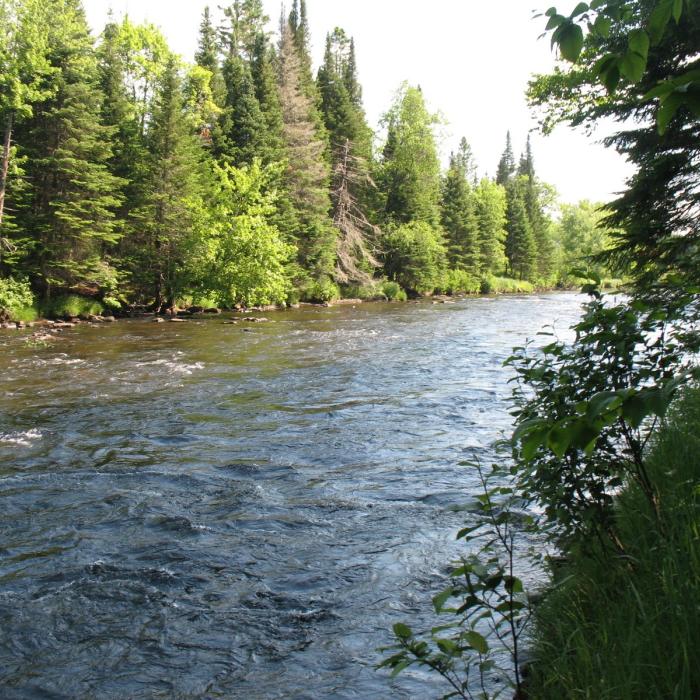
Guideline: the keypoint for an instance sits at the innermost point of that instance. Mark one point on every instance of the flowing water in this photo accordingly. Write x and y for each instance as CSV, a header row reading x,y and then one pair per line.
x,y
196,511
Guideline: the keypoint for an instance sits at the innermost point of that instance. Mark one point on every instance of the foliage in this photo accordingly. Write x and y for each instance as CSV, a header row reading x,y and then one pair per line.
x,y
410,171
70,306
240,256
585,413
593,628
321,291
414,256
458,282
504,285
639,49
485,604
15,294
393,292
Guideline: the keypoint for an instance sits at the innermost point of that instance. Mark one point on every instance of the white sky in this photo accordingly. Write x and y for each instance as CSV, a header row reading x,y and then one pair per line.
x,y
472,58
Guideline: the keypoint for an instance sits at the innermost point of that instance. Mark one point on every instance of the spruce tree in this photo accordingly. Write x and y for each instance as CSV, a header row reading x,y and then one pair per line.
x,y
73,195
459,219
308,176
506,166
521,248
491,215
207,54
174,189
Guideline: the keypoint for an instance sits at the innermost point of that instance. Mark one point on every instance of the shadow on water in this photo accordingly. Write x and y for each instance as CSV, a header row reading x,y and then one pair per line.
x,y
195,511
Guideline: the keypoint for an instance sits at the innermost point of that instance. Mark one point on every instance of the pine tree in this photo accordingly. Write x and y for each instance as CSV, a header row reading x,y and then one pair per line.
x,y
207,54
521,249
25,74
174,189
464,160
241,133
73,195
527,162
342,110
307,177
506,166
459,219
491,215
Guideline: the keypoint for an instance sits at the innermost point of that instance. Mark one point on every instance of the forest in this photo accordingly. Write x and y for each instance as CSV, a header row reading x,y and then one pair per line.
x,y
130,176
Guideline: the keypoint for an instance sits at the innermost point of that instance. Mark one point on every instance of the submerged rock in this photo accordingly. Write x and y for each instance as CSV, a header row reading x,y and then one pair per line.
x,y
254,319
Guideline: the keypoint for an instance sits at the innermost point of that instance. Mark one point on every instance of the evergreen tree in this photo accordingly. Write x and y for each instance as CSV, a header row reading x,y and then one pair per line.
x,y
342,110
73,195
207,54
241,133
527,162
521,249
307,177
464,160
174,192
410,173
459,219
264,75
25,73
491,215
506,166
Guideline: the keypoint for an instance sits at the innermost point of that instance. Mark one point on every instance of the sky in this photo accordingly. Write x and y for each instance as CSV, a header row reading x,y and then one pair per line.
x,y
472,59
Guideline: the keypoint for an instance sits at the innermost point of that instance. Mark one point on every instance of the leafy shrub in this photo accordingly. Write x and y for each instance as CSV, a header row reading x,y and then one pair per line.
x,y
321,291
414,256
15,297
393,292
582,412
504,285
71,305
458,282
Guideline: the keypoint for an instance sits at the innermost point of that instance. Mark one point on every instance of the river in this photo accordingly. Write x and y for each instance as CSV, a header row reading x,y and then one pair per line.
x,y
201,510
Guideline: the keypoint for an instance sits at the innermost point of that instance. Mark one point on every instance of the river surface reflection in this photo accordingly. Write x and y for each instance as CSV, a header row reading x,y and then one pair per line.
x,y
196,511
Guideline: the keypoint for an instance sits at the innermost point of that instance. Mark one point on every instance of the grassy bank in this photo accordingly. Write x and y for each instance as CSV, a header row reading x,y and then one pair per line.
x,y
629,627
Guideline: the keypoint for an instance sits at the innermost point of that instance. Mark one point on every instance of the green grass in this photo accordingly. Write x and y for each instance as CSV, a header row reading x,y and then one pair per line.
x,y
505,285
70,305
624,628
27,314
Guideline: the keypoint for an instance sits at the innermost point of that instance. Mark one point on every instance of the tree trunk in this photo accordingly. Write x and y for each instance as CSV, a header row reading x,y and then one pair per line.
x,y
5,167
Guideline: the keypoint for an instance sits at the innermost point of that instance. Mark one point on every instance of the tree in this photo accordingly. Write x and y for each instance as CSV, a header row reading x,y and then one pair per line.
x,y
521,249
307,176
242,258
581,237
459,219
638,65
357,237
506,166
491,216
73,196
410,172
414,256
25,73
174,193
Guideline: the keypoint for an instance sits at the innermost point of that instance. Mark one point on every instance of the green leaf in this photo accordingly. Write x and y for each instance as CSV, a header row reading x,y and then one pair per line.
x,y
612,79
477,642
633,66
551,12
402,631
570,42
447,646
638,41
659,20
554,22
441,598
667,111
677,10
602,26
579,10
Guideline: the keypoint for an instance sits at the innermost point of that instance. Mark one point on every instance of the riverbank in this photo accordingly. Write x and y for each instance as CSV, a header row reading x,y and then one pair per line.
x,y
617,627
20,311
